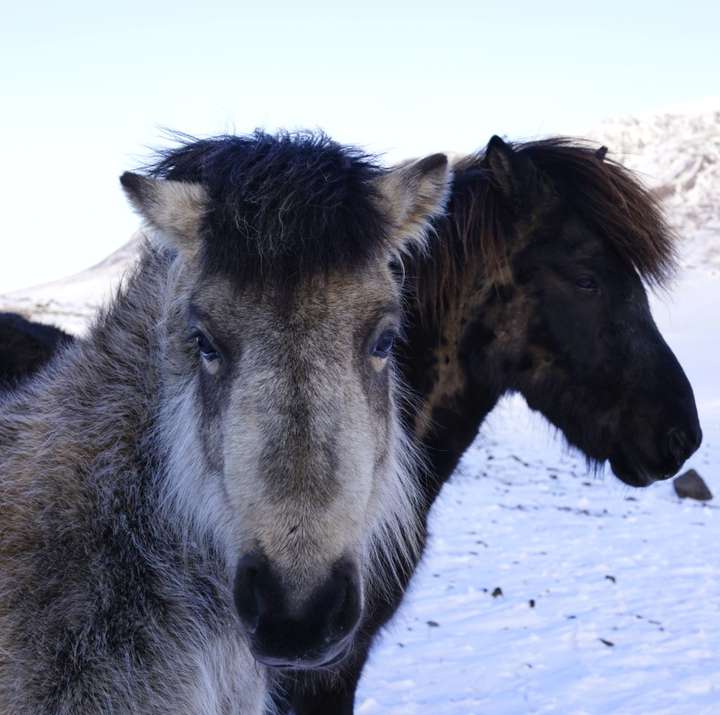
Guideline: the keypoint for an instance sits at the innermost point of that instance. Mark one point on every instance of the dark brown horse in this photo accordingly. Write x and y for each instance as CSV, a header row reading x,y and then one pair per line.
x,y
536,285
25,346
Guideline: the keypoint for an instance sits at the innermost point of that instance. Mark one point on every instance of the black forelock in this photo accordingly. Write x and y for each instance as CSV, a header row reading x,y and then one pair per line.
x,y
282,206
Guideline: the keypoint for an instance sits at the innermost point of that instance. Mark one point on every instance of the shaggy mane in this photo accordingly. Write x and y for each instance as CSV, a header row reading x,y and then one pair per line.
x,y
605,194
283,205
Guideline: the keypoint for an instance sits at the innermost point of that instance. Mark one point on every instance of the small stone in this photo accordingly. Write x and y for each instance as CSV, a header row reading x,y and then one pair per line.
x,y
611,578
433,624
691,485
497,591
531,603
609,644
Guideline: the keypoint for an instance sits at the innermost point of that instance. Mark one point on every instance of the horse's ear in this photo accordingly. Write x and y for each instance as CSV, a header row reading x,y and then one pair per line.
x,y
514,173
499,157
174,208
412,193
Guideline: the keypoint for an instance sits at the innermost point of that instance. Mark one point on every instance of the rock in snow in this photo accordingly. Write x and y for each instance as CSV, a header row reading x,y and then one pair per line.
x,y
690,485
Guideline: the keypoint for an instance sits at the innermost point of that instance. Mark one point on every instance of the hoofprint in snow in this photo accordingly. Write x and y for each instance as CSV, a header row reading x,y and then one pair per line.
x,y
610,597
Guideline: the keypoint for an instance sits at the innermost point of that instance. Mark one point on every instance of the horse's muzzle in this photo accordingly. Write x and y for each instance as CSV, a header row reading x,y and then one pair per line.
x,y
311,634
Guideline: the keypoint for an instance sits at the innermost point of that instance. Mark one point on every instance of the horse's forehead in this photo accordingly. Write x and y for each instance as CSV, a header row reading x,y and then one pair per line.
x,y
579,241
341,293
337,298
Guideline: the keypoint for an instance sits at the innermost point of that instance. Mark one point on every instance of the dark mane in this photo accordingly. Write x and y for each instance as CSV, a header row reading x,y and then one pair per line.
x,y
283,205
603,192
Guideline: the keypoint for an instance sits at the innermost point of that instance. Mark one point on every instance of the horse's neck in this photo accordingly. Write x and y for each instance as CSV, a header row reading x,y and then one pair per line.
x,y
113,381
454,382
91,409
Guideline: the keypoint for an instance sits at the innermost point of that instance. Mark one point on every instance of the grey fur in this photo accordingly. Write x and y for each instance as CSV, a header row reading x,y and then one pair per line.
x,y
105,604
125,503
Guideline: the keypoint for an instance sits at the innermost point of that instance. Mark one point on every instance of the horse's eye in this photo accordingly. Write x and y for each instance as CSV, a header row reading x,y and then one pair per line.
x,y
208,353
587,284
383,345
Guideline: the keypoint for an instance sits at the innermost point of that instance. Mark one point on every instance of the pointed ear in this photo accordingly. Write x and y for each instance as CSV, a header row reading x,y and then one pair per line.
x,y
412,193
601,153
174,208
499,157
515,174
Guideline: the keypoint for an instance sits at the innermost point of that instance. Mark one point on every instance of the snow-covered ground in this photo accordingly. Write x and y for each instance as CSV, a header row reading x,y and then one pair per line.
x,y
610,598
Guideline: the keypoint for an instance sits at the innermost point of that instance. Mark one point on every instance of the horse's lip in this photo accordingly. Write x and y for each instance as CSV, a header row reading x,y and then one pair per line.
x,y
299,663
623,467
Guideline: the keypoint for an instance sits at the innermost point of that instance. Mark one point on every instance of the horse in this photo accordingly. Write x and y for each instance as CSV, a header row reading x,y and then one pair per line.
x,y
203,489
537,285
25,346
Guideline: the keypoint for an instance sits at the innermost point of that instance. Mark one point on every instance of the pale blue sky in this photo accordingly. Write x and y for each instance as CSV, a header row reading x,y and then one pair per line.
x,y
86,86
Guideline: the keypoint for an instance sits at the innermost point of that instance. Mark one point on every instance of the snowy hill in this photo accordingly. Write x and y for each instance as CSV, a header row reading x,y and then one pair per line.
x,y
70,303
610,600
678,155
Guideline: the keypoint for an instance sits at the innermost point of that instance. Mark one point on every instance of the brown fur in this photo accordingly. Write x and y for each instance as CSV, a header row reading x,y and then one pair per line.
x,y
604,192
471,262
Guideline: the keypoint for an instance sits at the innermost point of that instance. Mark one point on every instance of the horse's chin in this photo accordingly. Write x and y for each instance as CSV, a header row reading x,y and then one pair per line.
x,y
637,471
335,656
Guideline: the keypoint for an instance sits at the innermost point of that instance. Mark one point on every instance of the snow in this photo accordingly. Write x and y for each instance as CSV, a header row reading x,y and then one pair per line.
x,y
625,583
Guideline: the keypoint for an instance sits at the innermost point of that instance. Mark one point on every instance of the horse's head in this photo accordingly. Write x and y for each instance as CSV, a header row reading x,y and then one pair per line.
x,y
281,403
573,319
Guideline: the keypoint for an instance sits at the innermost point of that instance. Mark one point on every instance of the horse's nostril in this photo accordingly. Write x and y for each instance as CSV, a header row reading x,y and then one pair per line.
x,y
248,599
681,446
697,440
346,611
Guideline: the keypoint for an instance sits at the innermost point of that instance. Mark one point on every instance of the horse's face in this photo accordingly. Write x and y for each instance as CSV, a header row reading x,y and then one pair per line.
x,y
595,363
288,398
298,416
587,353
